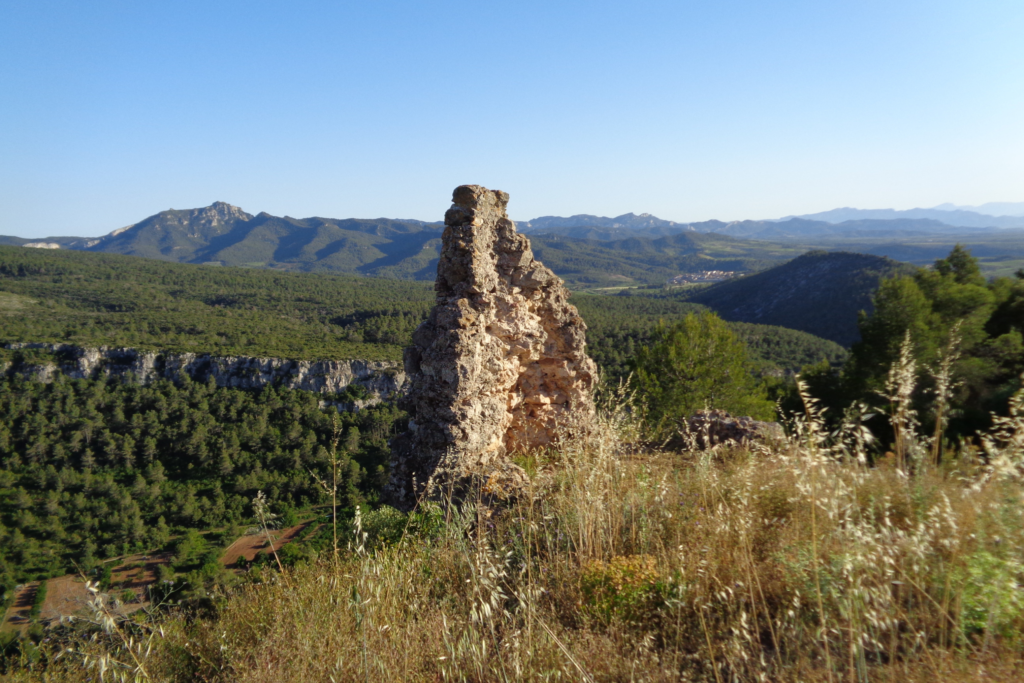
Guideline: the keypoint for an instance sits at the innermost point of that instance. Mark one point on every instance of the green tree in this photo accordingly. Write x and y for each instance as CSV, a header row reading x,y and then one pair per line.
x,y
697,363
900,306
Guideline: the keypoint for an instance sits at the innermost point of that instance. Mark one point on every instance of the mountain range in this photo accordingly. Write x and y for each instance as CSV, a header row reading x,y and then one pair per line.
x,y
789,229
588,251
222,234
627,221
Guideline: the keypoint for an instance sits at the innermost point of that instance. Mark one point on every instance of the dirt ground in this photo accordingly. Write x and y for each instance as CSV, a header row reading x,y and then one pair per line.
x,y
135,572
249,546
67,595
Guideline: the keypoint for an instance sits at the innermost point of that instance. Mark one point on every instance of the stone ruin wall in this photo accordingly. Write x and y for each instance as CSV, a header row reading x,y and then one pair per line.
x,y
499,365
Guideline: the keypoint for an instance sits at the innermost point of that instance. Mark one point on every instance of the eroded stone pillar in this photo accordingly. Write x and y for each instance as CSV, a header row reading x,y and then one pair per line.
x,y
500,362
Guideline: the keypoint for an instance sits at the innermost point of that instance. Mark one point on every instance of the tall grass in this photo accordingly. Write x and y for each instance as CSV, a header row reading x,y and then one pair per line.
x,y
791,561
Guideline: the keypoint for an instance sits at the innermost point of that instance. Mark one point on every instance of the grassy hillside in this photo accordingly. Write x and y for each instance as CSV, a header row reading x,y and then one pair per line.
x,y
791,562
819,292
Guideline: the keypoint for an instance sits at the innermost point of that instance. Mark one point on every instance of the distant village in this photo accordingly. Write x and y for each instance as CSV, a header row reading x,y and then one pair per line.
x,y
701,277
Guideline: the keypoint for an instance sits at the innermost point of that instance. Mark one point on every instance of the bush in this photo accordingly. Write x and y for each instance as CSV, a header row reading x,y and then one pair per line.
x,y
626,587
993,594
383,526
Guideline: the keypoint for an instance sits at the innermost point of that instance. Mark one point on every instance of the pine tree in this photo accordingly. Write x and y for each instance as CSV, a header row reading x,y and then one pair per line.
x,y
697,363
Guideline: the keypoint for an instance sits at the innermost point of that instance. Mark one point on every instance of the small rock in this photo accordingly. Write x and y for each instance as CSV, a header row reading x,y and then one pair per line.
x,y
713,427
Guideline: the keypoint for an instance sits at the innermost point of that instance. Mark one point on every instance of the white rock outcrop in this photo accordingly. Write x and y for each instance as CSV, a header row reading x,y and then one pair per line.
x,y
381,379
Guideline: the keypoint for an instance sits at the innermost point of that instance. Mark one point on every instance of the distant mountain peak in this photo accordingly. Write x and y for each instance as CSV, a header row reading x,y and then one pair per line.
x,y
955,217
215,215
220,212
627,221
987,209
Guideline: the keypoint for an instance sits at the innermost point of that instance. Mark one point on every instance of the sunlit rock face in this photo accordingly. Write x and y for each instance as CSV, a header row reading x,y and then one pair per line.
x,y
382,380
499,366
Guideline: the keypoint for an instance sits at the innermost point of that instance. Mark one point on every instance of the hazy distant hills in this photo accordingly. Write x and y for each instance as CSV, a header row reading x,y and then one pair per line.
x,y
653,260
788,229
951,216
819,292
990,208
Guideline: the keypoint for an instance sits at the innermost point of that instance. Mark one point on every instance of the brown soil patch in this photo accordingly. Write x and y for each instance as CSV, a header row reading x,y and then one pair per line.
x,y
65,596
249,546
135,572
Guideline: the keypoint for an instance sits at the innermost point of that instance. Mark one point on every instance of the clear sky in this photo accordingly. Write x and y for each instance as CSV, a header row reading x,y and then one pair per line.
x,y
112,111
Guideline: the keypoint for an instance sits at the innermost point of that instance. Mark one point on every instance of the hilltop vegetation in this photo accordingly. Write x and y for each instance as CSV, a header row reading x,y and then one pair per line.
x,y
618,326
820,293
948,316
796,561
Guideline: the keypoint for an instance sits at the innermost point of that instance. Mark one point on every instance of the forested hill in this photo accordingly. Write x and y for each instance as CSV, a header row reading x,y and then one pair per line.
x,y
618,326
105,299
819,292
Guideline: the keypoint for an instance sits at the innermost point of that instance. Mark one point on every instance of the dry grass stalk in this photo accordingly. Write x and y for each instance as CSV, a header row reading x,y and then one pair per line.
x,y
796,562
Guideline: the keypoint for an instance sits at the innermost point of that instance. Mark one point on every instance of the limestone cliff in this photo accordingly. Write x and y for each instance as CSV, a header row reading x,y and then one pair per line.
x,y
381,379
500,363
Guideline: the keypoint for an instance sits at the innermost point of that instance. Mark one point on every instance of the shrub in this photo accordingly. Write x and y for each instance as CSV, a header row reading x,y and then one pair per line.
x,y
626,587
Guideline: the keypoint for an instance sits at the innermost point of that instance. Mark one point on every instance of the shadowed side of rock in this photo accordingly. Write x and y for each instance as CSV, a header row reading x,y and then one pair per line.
x,y
499,364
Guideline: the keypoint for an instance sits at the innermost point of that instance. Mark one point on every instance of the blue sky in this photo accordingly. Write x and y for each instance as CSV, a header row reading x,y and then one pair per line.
x,y
112,111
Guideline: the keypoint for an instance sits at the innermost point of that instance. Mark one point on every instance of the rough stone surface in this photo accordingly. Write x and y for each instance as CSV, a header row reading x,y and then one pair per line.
x,y
500,363
381,379
713,427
